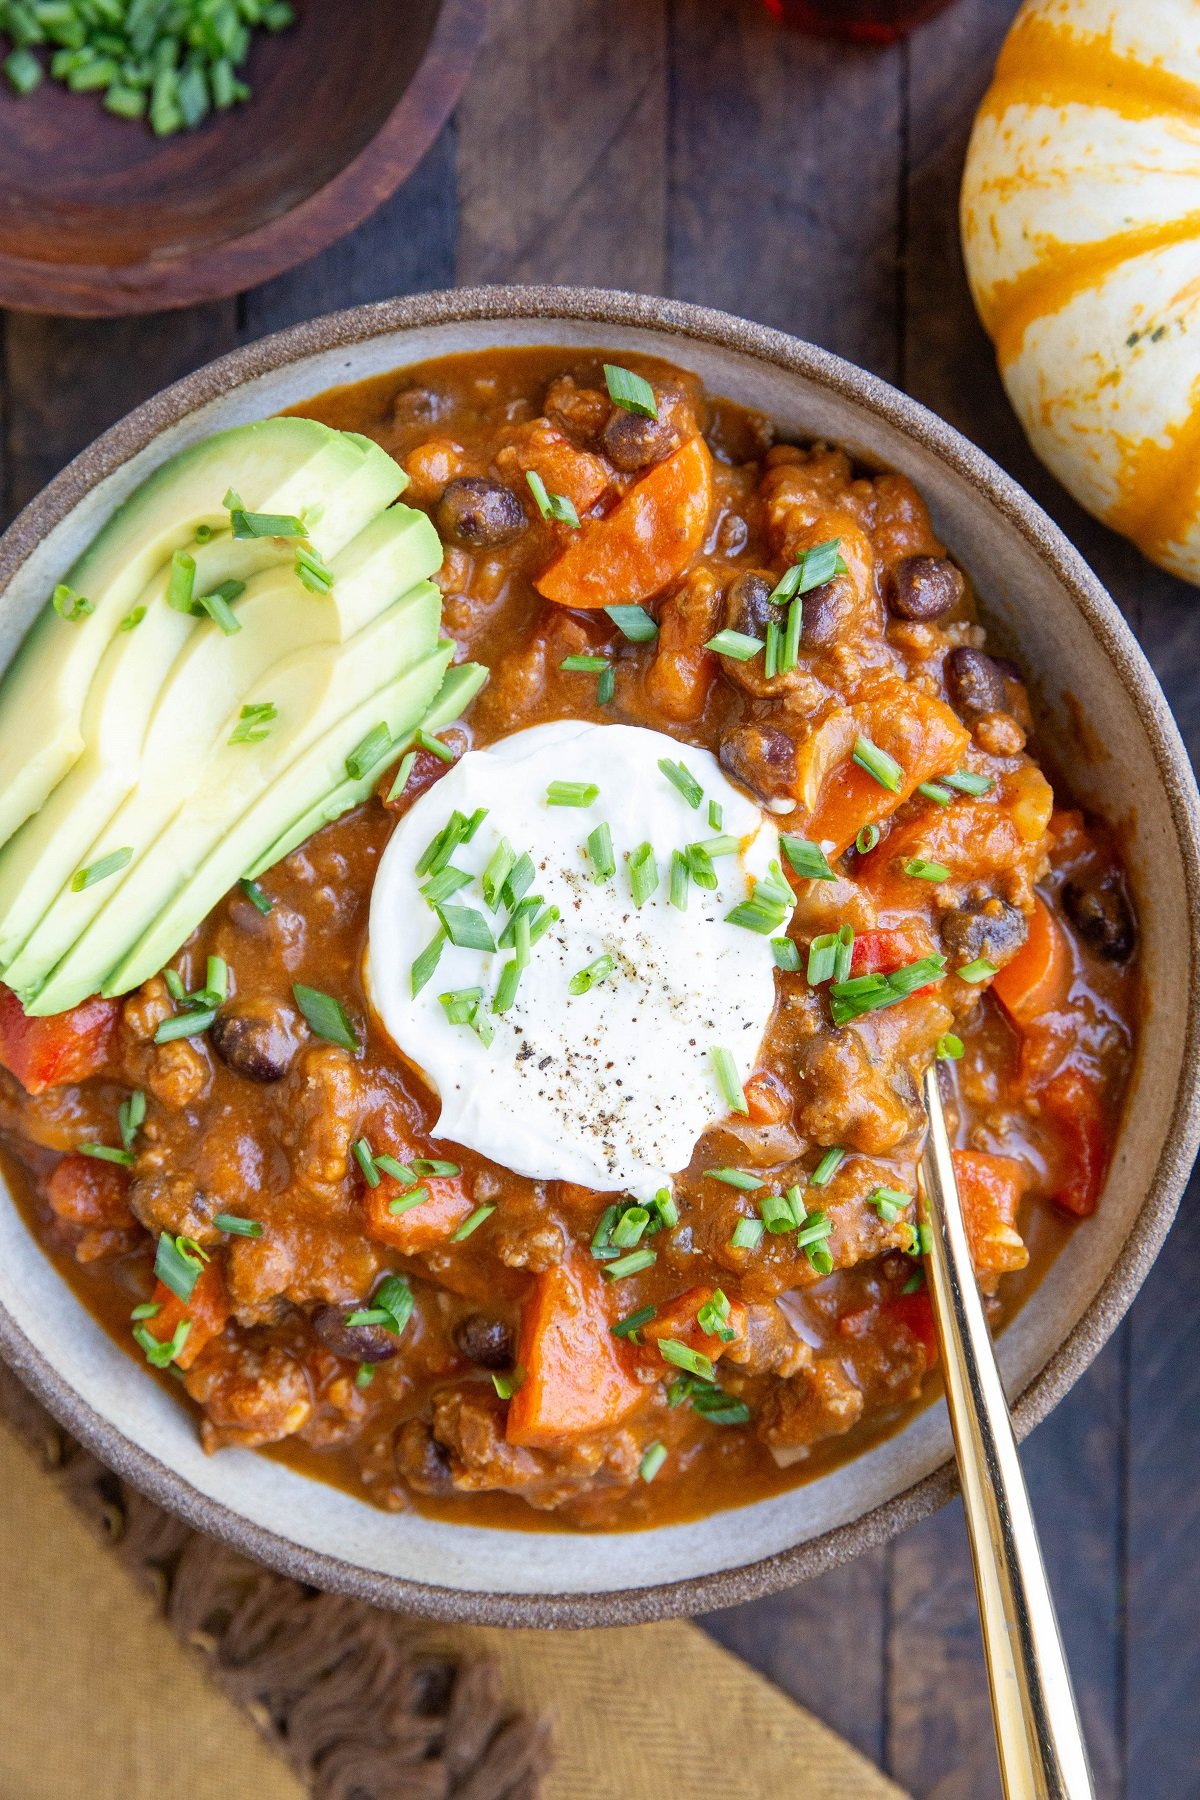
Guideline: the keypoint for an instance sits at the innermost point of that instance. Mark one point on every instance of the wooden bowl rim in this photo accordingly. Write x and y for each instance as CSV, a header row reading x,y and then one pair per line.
x,y
817,1555
193,277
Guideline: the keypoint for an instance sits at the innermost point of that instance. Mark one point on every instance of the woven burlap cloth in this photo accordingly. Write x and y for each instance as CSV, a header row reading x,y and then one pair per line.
x,y
137,1660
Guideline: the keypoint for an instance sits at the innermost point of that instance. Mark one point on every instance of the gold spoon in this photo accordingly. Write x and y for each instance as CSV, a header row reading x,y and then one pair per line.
x,y
1039,1737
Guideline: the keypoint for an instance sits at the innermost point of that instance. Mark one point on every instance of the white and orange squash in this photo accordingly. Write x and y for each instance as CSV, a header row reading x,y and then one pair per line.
x,y
1081,232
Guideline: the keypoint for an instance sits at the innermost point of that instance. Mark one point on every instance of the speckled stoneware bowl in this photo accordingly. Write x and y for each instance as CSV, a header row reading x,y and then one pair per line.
x,y
1041,596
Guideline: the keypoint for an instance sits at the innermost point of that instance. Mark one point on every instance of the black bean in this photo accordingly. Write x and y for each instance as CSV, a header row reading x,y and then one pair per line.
x,y
421,1460
748,605
973,681
762,759
923,587
261,1049
631,442
360,1343
488,1342
990,928
480,513
1101,914
822,615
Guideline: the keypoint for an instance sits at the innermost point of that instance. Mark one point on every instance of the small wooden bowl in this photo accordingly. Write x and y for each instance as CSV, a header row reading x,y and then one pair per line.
x,y
100,217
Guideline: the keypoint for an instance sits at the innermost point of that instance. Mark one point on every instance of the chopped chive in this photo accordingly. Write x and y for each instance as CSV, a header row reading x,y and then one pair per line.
x,y
600,850
921,870
713,1317
867,839
667,1208
773,650
216,605
397,1170
499,867
643,873
789,655
584,665
889,1203
460,1004
261,525
177,1264
819,1258
255,895
634,623
813,568
808,860
185,1025
427,962
441,847
507,1385
736,1178
364,1375
149,1309
326,1016
255,722
828,1167
506,988
935,791
652,1461
472,1223
979,970
174,984
844,957
558,507
915,1282
519,881
777,1214
629,391
366,754
447,881
361,1151
949,1047
606,687
181,583
768,907
130,1116
572,793
736,644
405,1202
633,1264
878,764
747,1234
132,619
679,880
101,869
817,1226
466,928
716,815
870,993
408,763
594,972
236,1226
424,741
728,1080
627,1231
102,1153
681,778
602,1244
967,782
311,571
795,1199
160,1355
822,958
682,1356
786,954
430,1165
700,867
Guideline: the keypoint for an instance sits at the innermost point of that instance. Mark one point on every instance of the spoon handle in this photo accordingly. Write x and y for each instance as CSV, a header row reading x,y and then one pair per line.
x,y
1039,1737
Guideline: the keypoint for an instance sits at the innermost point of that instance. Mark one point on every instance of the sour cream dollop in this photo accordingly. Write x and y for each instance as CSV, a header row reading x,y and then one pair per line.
x,y
610,1087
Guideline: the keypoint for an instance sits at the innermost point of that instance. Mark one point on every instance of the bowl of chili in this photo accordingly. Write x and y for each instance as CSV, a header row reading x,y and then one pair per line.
x,y
488,388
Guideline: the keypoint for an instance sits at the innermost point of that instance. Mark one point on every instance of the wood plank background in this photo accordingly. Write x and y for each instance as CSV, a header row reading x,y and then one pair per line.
x,y
691,147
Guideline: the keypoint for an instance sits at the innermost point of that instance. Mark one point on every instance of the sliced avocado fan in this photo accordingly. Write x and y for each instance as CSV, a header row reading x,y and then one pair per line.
x,y
334,481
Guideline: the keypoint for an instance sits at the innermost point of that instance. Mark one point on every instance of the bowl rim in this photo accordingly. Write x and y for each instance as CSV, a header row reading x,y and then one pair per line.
x,y
605,308
190,278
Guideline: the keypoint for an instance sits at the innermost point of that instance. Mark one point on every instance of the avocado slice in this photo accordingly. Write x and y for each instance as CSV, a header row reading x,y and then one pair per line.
x,y
338,479
399,706
179,707
460,687
311,693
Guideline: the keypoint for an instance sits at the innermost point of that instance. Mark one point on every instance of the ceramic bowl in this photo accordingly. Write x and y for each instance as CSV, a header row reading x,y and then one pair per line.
x,y
1041,598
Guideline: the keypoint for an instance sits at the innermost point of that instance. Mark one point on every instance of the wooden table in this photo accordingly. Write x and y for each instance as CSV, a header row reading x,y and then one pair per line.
x,y
690,147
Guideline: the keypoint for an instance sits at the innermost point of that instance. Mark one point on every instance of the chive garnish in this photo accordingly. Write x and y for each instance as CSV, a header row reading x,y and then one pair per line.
x,y
132,619
889,1203
130,1116
326,1016
768,907
236,1226
812,568
979,970
935,791
773,650
922,870
700,868
397,1170
652,1461
713,1317
391,1306
255,895
311,572
808,860
606,686
364,1375
633,1264
949,1047
447,881
459,1004
728,1080
682,1356
427,962
101,869
149,1309
217,605
736,1178
255,722
177,1264
434,745
786,954
870,993
430,1165
507,1385
472,1223
102,1153
181,582
366,754
682,779
466,928
632,1323
261,525
747,1234
627,1231
817,1226
667,1208
572,793
408,763
967,782
867,839
587,978
496,872
361,1151
789,655
829,956
679,880
405,1202
558,507
584,665
519,881
600,850
506,989
878,764
737,644
716,815
185,1025
643,873
828,1167
777,1214
629,391
634,623
160,1355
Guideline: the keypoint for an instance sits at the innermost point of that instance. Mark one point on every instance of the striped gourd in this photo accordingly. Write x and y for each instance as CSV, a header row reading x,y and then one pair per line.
x,y
1081,233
